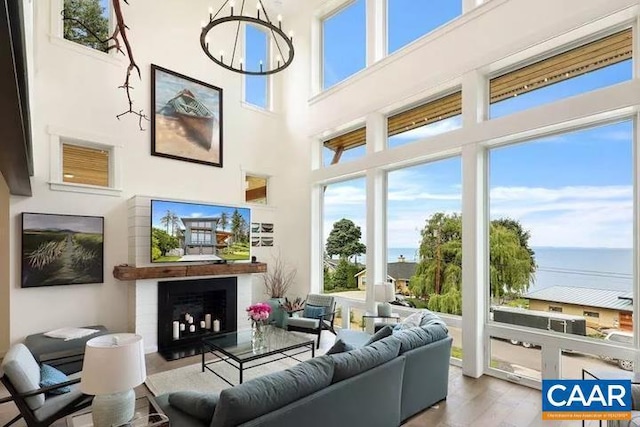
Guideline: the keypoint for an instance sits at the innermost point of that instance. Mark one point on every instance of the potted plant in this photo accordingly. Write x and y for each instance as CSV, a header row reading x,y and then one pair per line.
x,y
277,281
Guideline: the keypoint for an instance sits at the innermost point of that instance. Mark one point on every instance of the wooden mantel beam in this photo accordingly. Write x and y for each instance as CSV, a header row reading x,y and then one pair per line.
x,y
130,273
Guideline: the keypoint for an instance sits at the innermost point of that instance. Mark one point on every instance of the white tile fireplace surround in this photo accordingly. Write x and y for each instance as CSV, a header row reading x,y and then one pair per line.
x,y
143,294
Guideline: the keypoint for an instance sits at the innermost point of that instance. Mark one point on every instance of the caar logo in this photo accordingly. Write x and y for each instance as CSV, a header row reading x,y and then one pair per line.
x,y
586,399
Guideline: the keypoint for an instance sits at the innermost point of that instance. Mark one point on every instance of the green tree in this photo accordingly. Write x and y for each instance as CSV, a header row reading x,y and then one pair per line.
x,y
344,276
238,227
224,220
438,277
162,241
344,240
86,23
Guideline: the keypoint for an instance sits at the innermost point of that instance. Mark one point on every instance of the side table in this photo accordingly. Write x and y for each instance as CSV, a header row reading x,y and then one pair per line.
x,y
374,316
147,414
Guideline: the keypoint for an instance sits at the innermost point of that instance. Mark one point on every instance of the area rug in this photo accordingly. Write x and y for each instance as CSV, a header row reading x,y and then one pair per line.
x,y
192,378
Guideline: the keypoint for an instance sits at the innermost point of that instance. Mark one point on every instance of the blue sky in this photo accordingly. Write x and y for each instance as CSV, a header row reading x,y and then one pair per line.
x,y
569,190
256,51
192,210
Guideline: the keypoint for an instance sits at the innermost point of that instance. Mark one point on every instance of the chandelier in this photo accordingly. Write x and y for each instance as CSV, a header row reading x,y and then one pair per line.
x,y
233,60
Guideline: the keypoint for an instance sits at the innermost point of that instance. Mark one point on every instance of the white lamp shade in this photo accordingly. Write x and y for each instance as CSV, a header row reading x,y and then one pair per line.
x,y
113,363
385,292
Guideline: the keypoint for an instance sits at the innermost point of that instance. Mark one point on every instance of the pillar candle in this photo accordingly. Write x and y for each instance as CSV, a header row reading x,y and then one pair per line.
x,y
176,330
186,317
192,328
182,327
207,321
216,325
202,324
191,320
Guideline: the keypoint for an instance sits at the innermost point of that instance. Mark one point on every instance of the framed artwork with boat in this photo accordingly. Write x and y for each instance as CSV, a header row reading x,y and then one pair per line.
x,y
187,119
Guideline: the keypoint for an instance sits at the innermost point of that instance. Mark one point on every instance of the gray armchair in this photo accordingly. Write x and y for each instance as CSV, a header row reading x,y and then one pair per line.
x,y
22,379
317,315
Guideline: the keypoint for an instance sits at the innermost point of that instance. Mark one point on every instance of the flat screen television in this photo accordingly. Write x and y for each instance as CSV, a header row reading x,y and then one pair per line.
x,y
187,232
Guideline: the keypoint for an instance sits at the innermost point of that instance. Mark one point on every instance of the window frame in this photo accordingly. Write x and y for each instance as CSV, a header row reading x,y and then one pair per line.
x,y
60,136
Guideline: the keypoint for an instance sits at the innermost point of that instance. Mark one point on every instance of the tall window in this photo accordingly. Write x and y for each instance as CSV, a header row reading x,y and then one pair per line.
x,y
344,234
592,66
255,189
256,55
409,20
87,22
561,232
432,118
344,43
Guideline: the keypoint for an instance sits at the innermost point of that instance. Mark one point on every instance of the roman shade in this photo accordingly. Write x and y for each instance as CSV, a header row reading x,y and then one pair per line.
x,y
425,114
85,165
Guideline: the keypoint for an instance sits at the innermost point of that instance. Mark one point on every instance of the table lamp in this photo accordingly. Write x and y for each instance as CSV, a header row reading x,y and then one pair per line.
x,y
113,365
384,293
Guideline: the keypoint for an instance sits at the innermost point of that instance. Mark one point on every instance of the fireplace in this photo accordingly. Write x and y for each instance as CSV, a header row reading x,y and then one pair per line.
x,y
182,300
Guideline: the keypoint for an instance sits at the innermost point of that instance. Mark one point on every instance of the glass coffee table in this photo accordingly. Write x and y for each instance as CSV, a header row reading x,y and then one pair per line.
x,y
236,349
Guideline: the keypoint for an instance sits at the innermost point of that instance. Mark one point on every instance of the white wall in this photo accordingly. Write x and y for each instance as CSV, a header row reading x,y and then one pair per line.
x,y
75,88
4,266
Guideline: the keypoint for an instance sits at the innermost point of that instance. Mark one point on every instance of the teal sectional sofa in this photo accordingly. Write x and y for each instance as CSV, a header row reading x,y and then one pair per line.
x,y
379,383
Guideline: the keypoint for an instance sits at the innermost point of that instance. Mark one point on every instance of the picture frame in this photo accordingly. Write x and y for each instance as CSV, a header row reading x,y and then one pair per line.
x,y
60,249
186,119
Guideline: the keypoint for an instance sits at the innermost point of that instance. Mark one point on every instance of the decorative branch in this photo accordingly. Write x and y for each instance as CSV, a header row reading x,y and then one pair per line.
x,y
120,32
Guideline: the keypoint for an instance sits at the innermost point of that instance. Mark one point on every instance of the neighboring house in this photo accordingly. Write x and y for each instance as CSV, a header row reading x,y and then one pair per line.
x,y
200,237
399,273
603,308
330,264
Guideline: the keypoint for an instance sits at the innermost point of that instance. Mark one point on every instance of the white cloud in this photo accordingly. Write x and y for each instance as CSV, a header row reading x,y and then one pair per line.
x,y
436,128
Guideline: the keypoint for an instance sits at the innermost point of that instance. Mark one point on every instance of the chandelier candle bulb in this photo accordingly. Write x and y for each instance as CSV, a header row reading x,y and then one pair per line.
x,y
280,21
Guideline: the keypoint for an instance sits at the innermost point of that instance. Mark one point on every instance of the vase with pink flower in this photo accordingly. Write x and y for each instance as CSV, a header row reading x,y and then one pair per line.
x,y
258,314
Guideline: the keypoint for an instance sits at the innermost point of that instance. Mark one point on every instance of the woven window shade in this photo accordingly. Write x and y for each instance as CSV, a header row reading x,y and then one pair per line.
x,y
593,56
431,112
84,165
346,141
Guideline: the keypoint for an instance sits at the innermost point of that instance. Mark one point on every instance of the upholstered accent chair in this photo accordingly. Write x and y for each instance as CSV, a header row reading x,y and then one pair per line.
x,y
20,374
317,315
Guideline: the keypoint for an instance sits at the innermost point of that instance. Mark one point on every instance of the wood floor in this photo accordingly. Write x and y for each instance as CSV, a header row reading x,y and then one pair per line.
x,y
485,401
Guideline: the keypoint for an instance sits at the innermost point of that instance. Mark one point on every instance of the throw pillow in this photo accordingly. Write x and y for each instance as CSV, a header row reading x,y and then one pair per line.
x,y
200,405
51,376
313,311
382,333
413,320
340,347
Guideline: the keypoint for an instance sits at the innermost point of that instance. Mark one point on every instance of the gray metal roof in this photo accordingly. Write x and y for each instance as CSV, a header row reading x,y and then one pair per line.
x,y
604,298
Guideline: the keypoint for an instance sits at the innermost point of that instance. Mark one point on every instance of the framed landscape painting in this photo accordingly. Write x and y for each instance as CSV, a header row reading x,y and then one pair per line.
x,y
186,123
62,249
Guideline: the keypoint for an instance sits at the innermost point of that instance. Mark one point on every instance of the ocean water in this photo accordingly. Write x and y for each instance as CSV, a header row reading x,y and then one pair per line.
x,y
596,268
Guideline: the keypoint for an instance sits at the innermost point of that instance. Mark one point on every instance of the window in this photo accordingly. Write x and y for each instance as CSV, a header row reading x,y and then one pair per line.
x,y
344,233
410,19
561,230
555,308
255,189
348,146
85,165
424,234
87,22
589,67
432,118
256,58
344,36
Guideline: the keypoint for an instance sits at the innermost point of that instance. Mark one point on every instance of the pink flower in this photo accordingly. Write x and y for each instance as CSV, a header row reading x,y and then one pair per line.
x,y
259,311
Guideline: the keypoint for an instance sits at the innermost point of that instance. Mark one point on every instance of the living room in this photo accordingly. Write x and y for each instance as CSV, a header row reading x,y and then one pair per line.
x,y
337,135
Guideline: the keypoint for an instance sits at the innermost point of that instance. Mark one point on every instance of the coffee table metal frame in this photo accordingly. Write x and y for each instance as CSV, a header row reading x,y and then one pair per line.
x,y
209,346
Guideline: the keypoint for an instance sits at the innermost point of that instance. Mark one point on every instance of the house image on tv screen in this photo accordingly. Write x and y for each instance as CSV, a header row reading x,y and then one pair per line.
x,y
202,237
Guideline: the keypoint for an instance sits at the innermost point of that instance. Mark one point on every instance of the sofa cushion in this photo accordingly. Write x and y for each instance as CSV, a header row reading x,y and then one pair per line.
x,y
382,333
199,405
353,337
24,373
340,347
265,394
419,335
51,376
302,322
362,359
